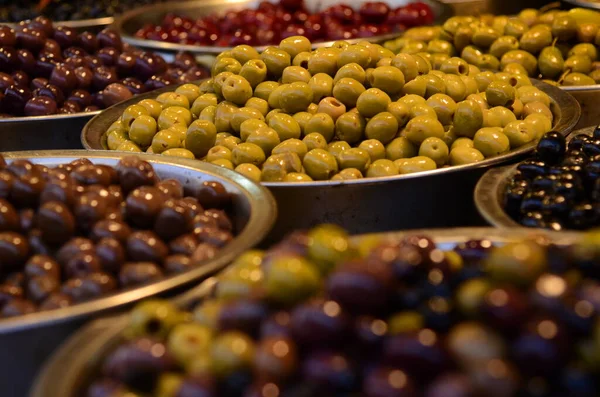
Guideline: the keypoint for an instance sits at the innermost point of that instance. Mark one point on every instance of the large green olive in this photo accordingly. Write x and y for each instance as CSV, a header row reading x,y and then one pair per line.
x,y
324,61
535,39
295,45
200,137
444,106
491,141
400,148
585,49
468,118
524,58
573,79
381,168
347,91
471,54
277,166
383,127
291,146
401,111
320,164
499,93
263,90
247,153
407,65
564,27
286,126
276,60
351,70
354,158
502,45
375,149
389,79
416,164
350,127
421,128
498,116
295,97
578,64
254,71
372,102
515,27
519,133
465,155
266,139
484,36
551,62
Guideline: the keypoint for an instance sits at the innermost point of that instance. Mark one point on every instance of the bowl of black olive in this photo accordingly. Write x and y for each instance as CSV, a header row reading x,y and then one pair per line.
x,y
83,234
557,188
461,312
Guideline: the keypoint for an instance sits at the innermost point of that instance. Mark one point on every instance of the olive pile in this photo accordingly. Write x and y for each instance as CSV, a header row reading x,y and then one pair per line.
x,y
560,47
79,231
48,70
560,186
316,316
344,112
65,10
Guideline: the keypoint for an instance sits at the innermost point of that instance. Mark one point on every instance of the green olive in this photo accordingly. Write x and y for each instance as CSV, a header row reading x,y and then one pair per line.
x,y
254,71
455,65
315,140
354,158
336,148
502,45
389,79
302,118
433,84
540,123
355,54
218,152
249,171
435,149
484,79
231,351
225,64
471,54
515,69
440,47
400,148
179,152
535,39
401,111
578,64
190,91
375,148
444,107
219,81
347,174
142,130
324,61
320,164
292,146
297,177
437,60
532,94
244,53
301,59
423,64
462,142
382,168
295,44
412,100
271,114
249,126
152,106
422,110
499,93
573,79
276,60
321,123
164,140
416,164
498,117
484,36
515,27
491,141
584,49
230,142
242,114
532,108
372,102
221,136
488,62
259,104
293,74
455,87
564,27
462,37
468,118
223,115
528,61
207,87
350,70
247,153
202,102
174,115
286,126
422,127
465,155
519,133
200,137
347,91
417,87
264,89
321,85
237,90
131,113
266,139
407,65
279,165
480,99
383,127
115,138
295,97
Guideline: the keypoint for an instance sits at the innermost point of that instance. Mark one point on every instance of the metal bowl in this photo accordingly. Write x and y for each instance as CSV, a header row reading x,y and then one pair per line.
x,y
59,131
79,24
584,4
27,340
84,352
438,198
588,97
133,20
489,192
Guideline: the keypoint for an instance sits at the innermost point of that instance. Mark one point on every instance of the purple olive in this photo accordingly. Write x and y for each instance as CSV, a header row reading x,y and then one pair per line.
x,y
115,93
9,59
32,39
84,77
64,36
8,37
26,60
40,106
6,81
63,77
109,38
103,76
88,42
52,91
15,99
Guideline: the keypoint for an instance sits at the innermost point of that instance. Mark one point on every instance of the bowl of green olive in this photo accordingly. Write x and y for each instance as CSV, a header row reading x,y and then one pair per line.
x,y
350,134
558,47
430,312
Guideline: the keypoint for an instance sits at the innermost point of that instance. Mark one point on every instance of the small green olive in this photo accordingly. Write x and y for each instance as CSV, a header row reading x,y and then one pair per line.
x,y
400,148
382,168
416,164
465,155
435,149
384,127
320,164
491,141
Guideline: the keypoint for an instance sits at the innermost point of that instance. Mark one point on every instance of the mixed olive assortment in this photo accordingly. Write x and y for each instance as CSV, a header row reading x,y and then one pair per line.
x,y
48,70
320,316
65,10
344,112
560,47
560,186
81,230
270,22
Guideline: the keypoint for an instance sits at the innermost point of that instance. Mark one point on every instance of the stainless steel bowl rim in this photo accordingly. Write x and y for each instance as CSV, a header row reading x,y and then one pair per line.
x,y
204,49
580,88
565,101
585,4
261,219
85,347
487,192
51,117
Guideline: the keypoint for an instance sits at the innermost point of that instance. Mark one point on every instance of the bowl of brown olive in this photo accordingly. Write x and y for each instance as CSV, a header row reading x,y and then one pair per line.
x,y
349,134
53,79
84,233
462,312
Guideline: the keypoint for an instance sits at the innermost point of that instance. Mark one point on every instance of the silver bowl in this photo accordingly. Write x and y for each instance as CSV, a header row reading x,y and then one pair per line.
x,y
27,340
131,21
84,351
588,97
584,4
489,192
438,198
79,24
59,131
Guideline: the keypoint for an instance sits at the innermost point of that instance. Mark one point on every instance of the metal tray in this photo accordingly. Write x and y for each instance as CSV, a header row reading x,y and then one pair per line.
x,y
489,192
438,198
59,131
588,97
84,351
28,340
131,21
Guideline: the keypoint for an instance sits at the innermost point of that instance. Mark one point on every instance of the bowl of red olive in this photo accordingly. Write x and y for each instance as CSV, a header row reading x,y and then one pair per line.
x,y
53,79
557,188
84,233
212,26
461,312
